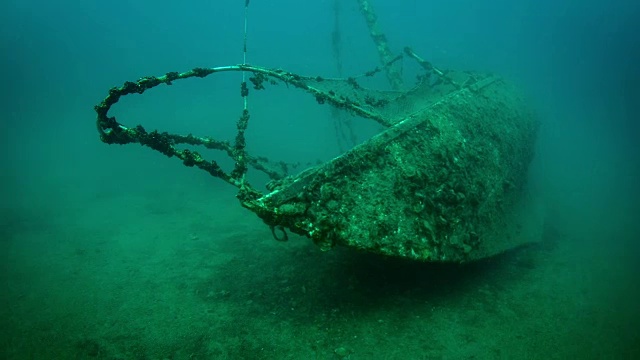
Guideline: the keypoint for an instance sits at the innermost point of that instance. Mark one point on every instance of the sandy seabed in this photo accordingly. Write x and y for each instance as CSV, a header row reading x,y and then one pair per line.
x,y
172,276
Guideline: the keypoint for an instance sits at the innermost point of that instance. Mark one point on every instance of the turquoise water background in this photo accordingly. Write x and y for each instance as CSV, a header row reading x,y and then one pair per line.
x,y
116,252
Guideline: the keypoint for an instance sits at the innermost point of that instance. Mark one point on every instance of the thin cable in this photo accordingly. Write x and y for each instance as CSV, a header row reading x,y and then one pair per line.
x,y
244,56
240,169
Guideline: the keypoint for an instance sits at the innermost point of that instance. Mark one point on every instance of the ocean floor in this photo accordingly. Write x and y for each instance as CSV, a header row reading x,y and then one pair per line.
x,y
192,275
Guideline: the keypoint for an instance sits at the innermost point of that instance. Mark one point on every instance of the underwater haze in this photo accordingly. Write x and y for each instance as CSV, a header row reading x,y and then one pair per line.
x,y
119,252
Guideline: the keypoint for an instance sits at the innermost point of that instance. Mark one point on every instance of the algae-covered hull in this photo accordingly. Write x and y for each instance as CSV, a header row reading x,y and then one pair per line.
x,y
445,183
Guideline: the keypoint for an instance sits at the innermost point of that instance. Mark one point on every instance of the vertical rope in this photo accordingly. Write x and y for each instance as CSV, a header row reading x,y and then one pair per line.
x,y
239,154
386,56
342,124
336,37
